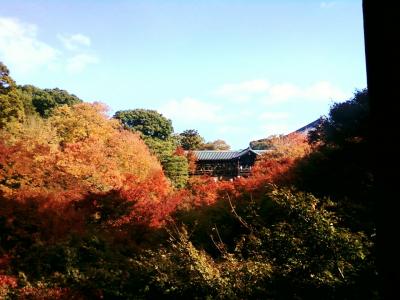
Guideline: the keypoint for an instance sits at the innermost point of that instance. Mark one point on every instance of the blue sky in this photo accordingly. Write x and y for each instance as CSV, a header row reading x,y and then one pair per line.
x,y
233,70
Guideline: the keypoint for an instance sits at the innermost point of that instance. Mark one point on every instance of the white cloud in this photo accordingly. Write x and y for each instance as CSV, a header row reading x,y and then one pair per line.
x,y
283,92
20,48
242,92
324,90
252,86
23,52
262,91
192,110
79,62
327,4
74,41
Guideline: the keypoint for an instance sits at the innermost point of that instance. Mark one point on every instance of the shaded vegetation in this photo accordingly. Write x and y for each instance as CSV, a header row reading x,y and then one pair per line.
x,y
86,211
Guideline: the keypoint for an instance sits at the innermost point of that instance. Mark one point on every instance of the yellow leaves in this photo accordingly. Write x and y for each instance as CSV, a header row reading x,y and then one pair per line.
x,y
293,146
82,121
132,155
78,147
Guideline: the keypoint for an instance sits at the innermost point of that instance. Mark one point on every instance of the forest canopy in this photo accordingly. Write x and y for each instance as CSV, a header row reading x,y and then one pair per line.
x,y
93,207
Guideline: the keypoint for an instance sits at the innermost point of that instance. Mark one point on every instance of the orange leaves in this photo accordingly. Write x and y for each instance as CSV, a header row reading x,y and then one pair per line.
x,y
47,293
294,145
131,155
84,152
270,170
179,151
191,157
7,281
151,198
273,167
204,191
82,121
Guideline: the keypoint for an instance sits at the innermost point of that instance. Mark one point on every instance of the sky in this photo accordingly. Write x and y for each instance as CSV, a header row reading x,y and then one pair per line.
x,y
235,70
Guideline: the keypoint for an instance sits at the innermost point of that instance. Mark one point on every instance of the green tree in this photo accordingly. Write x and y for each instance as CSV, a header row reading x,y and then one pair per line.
x,y
44,101
348,123
220,145
11,105
176,169
149,122
157,133
190,139
340,165
263,144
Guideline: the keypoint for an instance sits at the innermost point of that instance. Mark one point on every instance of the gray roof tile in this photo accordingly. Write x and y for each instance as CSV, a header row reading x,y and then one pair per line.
x,y
224,155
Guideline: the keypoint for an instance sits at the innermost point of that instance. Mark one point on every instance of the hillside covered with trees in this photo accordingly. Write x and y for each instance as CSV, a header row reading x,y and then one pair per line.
x,y
99,207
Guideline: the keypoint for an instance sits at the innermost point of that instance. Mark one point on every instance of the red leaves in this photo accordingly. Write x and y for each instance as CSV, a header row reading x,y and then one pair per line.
x,y
272,168
179,151
7,281
77,150
152,198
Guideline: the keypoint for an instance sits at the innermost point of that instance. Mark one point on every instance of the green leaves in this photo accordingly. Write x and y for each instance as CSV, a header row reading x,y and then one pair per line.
x,y
44,101
190,139
149,122
11,106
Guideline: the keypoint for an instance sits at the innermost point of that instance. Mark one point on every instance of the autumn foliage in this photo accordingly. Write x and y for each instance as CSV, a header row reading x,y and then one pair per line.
x,y
78,150
275,165
52,167
87,212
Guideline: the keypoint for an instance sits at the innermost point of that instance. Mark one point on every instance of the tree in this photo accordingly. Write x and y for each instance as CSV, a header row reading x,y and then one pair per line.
x,y
156,131
176,168
190,139
348,123
6,82
216,145
340,165
45,101
149,122
11,106
77,149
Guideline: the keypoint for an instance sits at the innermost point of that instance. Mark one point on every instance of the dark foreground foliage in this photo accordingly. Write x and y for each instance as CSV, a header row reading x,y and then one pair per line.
x,y
86,211
283,245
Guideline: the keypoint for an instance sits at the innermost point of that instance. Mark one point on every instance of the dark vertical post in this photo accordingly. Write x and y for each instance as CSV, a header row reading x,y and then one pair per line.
x,y
382,54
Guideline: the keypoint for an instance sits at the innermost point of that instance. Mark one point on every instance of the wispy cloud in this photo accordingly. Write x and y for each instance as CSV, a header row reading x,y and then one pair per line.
x,y
20,47
328,4
191,110
322,91
74,41
79,62
263,91
242,92
23,51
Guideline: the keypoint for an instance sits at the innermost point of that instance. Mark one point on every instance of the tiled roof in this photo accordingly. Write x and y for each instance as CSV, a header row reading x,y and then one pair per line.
x,y
215,155
259,152
311,126
224,155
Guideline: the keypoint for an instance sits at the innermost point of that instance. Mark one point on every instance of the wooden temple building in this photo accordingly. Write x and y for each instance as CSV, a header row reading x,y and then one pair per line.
x,y
226,164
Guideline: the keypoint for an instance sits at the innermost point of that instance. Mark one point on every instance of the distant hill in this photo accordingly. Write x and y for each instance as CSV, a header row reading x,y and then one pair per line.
x,y
263,144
